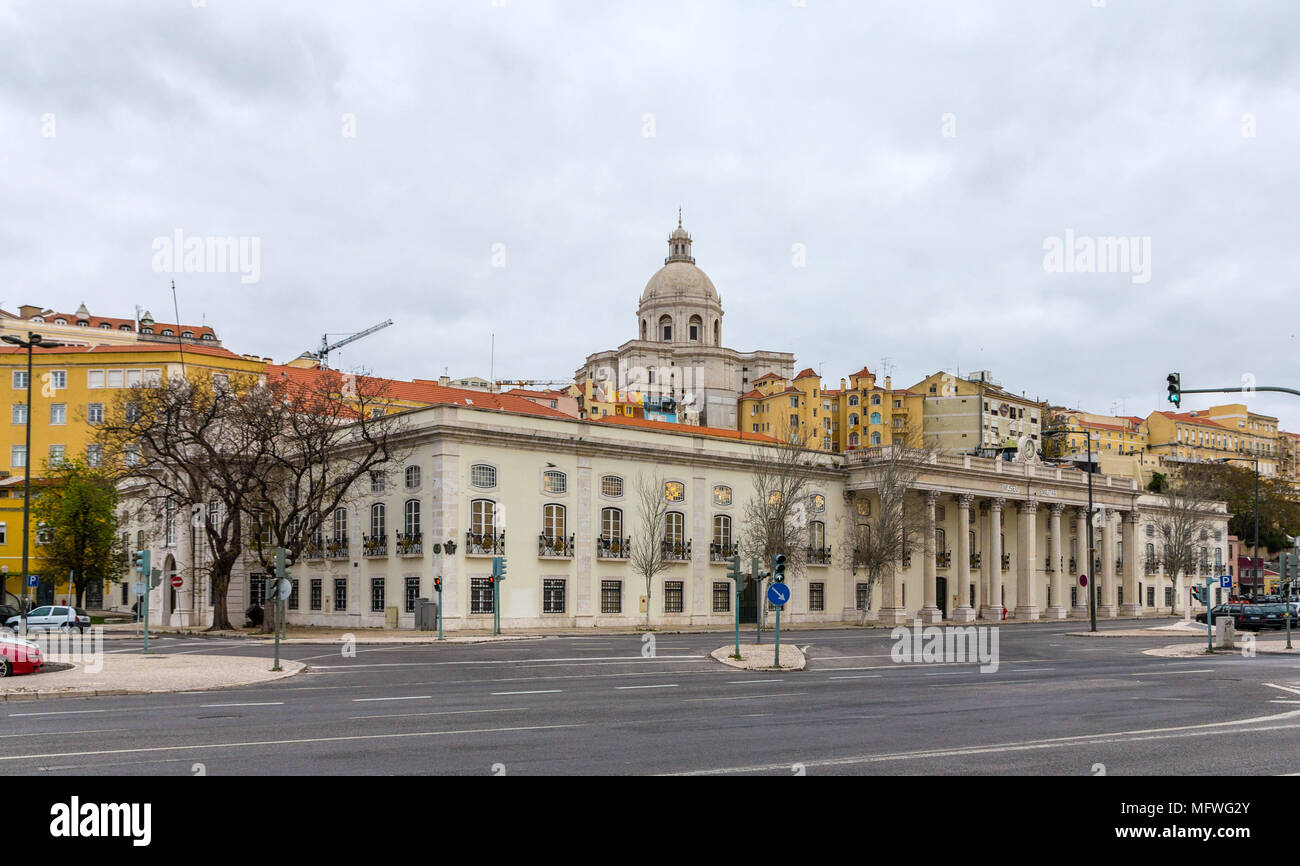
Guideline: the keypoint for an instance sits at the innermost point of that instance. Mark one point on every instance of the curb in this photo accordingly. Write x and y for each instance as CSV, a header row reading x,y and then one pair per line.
x,y
55,694
723,654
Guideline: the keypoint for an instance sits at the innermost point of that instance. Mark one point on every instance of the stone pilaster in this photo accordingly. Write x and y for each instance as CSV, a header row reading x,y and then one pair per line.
x,y
1107,606
993,601
1027,585
1132,598
930,608
1056,608
963,612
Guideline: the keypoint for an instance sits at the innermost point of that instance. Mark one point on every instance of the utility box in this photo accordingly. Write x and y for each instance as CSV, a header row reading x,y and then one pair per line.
x,y
390,617
426,615
1225,633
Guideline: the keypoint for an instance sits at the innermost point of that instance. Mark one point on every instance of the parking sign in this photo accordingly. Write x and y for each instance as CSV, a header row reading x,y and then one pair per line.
x,y
1225,581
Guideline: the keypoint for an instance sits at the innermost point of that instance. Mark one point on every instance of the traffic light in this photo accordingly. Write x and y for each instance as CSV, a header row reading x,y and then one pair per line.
x,y
140,559
1175,388
499,567
1198,594
778,568
492,580
437,584
733,568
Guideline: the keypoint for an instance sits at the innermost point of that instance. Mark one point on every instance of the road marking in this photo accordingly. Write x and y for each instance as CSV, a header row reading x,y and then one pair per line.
x,y
256,743
59,713
745,682
636,658
744,697
61,733
1025,670
660,686
404,698
1025,745
440,713
859,677
266,704
1171,673
1283,688
538,692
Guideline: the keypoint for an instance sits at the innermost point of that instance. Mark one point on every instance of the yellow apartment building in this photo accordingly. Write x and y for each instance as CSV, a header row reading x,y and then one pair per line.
x,y
975,414
1184,436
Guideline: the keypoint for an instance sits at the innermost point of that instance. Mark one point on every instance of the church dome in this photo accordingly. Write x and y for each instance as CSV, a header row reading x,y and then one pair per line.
x,y
679,276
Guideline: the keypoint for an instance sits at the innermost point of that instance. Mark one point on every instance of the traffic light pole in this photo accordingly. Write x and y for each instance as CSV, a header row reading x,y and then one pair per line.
x,y
1092,577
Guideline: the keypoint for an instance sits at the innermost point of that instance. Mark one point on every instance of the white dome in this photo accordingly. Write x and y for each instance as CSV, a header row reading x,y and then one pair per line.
x,y
677,279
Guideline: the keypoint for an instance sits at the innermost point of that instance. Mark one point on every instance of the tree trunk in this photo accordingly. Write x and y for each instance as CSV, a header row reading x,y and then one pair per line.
x,y
220,608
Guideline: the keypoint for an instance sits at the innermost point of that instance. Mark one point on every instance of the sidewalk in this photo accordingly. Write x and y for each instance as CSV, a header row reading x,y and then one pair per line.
x,y
137,674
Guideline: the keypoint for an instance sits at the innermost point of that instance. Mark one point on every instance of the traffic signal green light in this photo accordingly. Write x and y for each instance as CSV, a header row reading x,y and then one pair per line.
x,y
733,568
778,568
141,561
1175,388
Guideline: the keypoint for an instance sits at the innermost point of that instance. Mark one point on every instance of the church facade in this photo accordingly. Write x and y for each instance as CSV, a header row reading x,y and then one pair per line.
x,y
677,366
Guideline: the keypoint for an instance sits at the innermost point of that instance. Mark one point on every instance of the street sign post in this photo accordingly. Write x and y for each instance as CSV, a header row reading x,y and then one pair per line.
x,y
1209,615
1083,580
778,594
177,581
33,580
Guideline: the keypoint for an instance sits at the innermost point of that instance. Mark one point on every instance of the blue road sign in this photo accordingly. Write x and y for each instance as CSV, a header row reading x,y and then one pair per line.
x,y
778,594
1225,581
33,580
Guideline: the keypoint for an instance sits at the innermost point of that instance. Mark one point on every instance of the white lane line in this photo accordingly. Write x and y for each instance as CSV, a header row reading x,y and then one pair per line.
x,y
627,659
61,733
537,692
1171,673
58,713
659,686
304,740
859,677
440,713
744,697
747,682
1026,670
1283,688
404,698
264,704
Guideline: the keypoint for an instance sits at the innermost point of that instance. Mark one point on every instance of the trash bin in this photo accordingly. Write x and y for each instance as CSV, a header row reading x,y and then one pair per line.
x,y
426,615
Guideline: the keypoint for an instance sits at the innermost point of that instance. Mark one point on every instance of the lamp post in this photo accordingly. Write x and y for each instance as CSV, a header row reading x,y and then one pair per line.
x,y
1254,558
1092,572
33,340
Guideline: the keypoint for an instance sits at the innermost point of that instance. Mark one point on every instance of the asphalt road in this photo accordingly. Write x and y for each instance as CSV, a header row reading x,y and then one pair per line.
x,y
594,705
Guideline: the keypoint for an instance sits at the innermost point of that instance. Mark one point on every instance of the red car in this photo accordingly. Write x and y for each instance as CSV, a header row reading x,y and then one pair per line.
x,y
19,657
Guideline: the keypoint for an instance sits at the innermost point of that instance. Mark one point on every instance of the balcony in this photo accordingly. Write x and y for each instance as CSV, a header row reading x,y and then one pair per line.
x,y
819,556
720,552
554,546
485,544
859,557
374,545
1048,566
337,548
1006,562
976,559
1073,563
410,543
1119,566
907,559
315,548
677,550
613,548
1151,566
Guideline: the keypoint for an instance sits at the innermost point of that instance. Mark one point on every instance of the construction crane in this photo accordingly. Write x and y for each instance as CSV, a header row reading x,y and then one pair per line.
x,y
326,346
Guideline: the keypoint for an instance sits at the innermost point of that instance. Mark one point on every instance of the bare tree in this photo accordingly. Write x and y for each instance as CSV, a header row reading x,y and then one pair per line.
x,y
885,536
1183,518
646,552
775,517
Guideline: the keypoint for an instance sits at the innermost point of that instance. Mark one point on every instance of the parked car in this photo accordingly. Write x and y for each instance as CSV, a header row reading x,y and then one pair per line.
x,y
1232,610
50,617
8,612
18,656
1261,616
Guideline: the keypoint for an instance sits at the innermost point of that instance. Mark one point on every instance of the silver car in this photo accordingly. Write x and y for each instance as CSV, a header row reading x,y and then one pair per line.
x,y
50,618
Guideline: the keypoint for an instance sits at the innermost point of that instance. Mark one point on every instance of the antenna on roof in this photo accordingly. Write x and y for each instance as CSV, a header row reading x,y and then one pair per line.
x,y
180,341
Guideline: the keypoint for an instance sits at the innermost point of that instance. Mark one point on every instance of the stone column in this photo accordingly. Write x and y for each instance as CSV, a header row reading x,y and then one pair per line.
x,y
963,612
1132,598
982,536
1056,609
584,541
1107,606
993,601
930,590
1027,587
1081,561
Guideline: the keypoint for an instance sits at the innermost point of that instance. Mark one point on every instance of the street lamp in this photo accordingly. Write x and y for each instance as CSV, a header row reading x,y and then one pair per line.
x,y
1092,572
33,340
1254,558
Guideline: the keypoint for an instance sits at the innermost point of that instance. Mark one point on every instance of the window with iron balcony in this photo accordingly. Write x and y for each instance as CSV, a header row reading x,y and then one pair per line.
x,y
410,543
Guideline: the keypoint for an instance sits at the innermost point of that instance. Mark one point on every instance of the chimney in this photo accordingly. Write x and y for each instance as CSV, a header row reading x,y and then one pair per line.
x,y
843,384
888,386
29,310
444,381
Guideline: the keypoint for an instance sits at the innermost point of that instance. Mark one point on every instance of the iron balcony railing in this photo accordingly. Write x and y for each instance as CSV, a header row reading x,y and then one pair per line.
x,y
410,543
721,552
613,548
976,559
907,559
337,548
1151,566
554,546
374,545
1119,566
819,556
1006,562
1073,563
677,551
485,543
315,548
943,559
1048,565
859,557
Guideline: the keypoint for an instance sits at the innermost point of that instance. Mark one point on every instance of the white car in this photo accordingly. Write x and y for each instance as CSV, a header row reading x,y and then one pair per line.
x,y
51,617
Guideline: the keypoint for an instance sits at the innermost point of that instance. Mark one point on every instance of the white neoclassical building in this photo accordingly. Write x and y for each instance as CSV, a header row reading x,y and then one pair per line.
x,y
558,498
678,349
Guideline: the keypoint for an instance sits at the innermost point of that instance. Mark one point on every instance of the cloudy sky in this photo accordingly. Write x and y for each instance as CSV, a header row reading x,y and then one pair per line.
x,y
864,180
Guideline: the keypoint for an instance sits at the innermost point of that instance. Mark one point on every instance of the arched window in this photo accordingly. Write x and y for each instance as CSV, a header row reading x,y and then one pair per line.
x,y
189,334
853,440
696,329
875,399
340,524
1151,552
722,535
482,517
644,326
378,520
864,536
875,438
555,481
553,522
611,524
875,417
168,332
412,517
674,491
412,477
611,486
853,399
716,337
483,476
940,540
675,528
853,419
816,535
139,540
666,328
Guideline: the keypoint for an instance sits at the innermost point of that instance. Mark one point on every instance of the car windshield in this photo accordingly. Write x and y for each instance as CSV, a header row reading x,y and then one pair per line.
x,y
80,612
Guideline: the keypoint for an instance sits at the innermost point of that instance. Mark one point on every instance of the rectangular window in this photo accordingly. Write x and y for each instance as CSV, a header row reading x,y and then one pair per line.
x,y
58,379
94,378
552,596
95,413
480,595
133,378
611,596
816,596
412,593
376,595
257,589
20,413
317,594
153,378
114,378
376,482
340,594
293,594
18,456
860,596
4,533
58,413
20,380
673,596
721,597
1169,596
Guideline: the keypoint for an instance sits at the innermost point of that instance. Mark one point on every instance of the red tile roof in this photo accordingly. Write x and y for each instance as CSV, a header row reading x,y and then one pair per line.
x,y
864,373
765,377
1187,418
806,373
753,395
190,349
685,429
